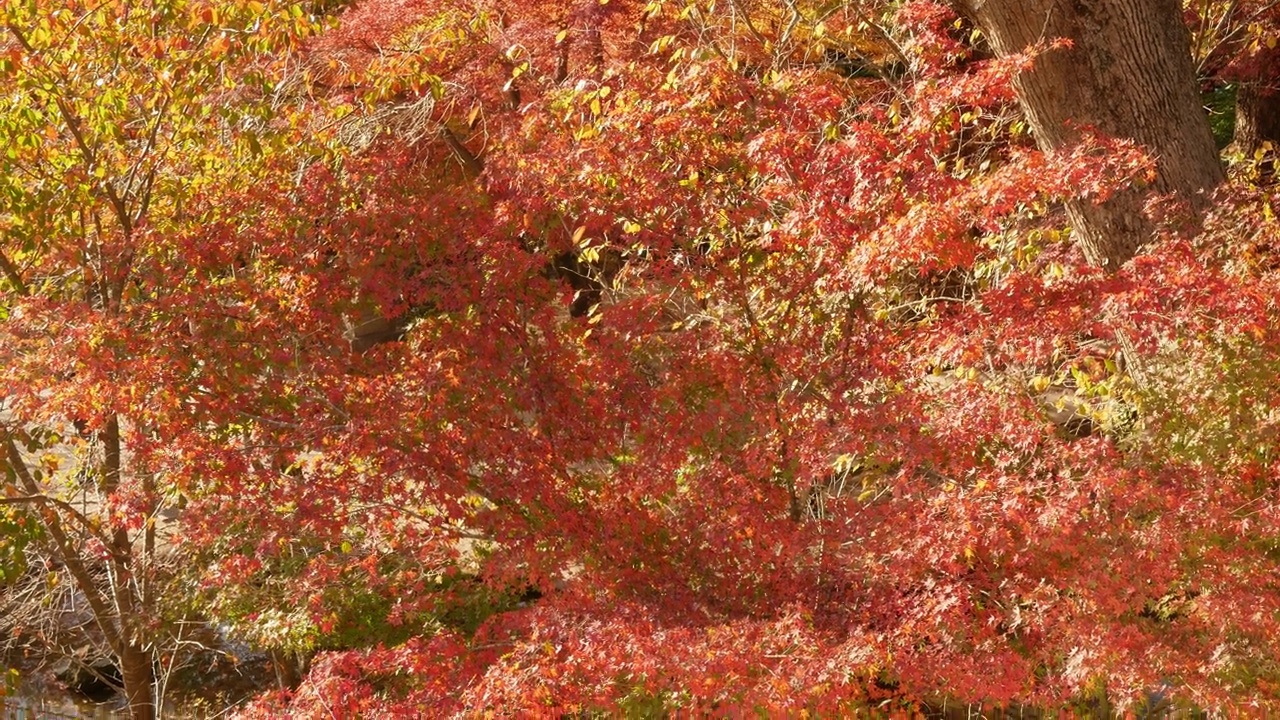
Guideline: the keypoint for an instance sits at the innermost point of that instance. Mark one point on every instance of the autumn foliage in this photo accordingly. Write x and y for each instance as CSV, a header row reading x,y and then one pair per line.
x,y
636,356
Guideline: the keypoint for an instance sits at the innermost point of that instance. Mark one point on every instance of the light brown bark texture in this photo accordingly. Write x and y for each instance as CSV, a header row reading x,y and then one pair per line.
x,y
1128,74
139,682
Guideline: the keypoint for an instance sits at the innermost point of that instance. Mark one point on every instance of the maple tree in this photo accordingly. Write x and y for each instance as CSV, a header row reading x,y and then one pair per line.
x,y
572,356
116,117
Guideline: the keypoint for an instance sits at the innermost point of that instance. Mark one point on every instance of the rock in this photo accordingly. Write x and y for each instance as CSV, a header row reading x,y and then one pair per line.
x,y
97,679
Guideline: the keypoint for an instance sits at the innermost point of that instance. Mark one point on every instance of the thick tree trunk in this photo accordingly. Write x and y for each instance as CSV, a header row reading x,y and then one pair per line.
x,y
1258,122
1257,117
1128,74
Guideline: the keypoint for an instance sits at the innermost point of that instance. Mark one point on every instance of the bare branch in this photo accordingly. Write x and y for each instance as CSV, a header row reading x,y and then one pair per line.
x,y
468,159
62,544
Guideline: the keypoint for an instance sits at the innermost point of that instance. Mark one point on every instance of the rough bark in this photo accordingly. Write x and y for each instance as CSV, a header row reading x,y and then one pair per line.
x,y
1257,116
1128,74
1258,122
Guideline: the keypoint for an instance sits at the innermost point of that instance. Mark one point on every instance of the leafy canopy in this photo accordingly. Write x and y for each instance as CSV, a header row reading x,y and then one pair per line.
x,y
727,335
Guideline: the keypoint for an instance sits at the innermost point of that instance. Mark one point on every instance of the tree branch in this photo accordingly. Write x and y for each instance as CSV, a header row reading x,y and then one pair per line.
x,y
14,277
82,144
468,159
62,544
42,499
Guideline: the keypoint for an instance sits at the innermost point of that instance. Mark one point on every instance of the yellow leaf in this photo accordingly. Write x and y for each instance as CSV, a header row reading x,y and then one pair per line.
x,y
595,106
577,234
560,36
631,228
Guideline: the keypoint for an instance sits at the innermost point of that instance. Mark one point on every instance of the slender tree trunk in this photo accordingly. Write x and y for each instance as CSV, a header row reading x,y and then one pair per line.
x,y
136,669
116,614
139,681
1129,75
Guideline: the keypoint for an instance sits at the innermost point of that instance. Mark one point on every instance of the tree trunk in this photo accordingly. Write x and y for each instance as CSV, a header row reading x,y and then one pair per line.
x,y
139,682
136,669
1129,75
1258,122
115,614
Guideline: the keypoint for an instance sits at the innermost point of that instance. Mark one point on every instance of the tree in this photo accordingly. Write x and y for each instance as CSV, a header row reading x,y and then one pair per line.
x,y
705,371
1127,73
111,135
1236,44
792,458
1256,111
